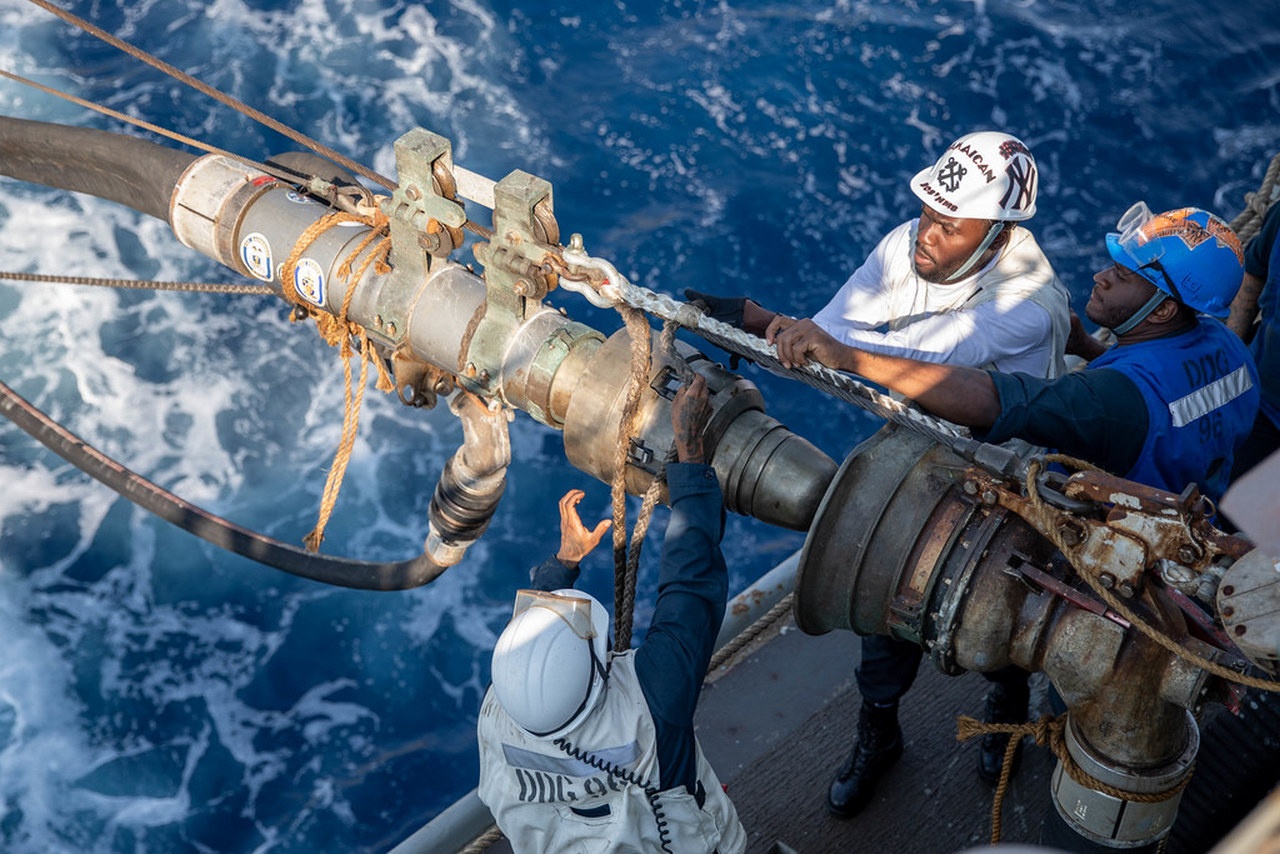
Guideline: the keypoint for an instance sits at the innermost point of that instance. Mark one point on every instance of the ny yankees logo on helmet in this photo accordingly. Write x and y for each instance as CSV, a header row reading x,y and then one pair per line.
x,y
1022,177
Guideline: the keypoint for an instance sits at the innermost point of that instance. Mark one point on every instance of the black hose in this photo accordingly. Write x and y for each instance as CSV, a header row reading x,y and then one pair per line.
x,y
341,572
124,169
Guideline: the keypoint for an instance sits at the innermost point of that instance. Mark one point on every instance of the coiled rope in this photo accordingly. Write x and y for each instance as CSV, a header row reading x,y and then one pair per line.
x,y
1049,731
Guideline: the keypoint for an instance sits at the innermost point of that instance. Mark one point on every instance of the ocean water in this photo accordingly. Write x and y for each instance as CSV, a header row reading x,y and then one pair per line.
x,y
157,694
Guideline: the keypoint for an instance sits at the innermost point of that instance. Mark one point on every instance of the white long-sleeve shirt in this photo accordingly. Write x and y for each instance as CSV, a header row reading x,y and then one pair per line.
x,y
1011,315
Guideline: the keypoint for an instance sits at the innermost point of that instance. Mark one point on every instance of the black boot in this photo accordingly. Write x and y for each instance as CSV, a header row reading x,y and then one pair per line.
x,y
879,745
1006,704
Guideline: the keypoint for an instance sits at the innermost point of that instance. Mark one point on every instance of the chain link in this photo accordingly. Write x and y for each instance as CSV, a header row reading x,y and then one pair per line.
x,y
187,287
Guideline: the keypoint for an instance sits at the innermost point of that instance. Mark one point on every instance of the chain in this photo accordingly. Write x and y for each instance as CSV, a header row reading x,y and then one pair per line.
x,y
187,287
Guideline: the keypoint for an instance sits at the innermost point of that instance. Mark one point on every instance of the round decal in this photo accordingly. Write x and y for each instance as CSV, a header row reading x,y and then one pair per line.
x,y
308,281
255,254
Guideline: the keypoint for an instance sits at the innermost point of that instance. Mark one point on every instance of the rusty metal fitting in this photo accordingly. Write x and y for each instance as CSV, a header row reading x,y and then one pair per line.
x,y
1073,533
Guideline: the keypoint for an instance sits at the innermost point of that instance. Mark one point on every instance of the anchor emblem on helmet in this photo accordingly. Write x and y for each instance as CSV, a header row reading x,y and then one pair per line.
x,y
951,175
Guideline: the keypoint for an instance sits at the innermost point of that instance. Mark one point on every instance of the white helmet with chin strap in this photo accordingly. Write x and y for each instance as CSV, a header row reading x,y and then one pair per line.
x,y
549,663
985,175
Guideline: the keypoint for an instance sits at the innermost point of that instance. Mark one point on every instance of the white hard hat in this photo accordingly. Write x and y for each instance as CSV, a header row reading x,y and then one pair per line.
x,y
549,662
984,175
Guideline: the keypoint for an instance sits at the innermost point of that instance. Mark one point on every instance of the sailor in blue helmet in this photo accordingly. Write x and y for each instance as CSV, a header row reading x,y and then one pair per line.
x,y
1167,406
584,750
1200,388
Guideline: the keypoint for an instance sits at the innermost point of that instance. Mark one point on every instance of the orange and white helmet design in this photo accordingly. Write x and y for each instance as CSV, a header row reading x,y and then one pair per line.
x,y
1189,254
983,175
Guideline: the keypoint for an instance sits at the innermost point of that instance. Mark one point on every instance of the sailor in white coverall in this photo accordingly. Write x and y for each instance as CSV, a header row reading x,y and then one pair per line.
x,y
586,751
965,283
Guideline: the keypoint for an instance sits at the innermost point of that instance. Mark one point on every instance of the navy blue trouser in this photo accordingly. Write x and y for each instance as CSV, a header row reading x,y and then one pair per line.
x,y
1259,445
889,668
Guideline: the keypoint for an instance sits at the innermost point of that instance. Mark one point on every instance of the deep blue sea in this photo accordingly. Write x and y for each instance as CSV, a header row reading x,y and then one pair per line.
x,y
159,695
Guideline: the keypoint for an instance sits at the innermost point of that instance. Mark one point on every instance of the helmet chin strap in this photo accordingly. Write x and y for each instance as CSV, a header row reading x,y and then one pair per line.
x,y
1141,314
992,234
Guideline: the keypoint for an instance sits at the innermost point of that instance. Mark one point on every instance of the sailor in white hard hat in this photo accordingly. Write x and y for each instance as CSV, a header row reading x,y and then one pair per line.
x,y
964,283
584,750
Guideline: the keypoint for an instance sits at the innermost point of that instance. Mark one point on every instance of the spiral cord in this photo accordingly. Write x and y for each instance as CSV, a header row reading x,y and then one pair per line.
x,y
650,792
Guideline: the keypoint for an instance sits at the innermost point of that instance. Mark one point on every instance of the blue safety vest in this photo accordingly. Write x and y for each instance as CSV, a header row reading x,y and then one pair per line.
x,y
1201,391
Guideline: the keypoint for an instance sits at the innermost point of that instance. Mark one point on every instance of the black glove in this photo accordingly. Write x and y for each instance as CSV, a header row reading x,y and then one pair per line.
x,y
724,309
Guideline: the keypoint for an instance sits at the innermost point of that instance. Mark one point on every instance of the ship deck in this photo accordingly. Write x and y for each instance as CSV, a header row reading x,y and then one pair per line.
x,y
777,720
780,720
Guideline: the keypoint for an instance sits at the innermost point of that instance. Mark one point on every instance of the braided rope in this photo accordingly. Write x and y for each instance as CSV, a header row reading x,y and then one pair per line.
x,y
338,330
624,584
626,572
666,346
751,632
483,841
1050,732
1248,222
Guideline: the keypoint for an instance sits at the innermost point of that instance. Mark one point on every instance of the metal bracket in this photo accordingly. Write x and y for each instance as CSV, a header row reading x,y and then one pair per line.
x,y
524,230
515,279
640,455
418,383
425,221
1117,524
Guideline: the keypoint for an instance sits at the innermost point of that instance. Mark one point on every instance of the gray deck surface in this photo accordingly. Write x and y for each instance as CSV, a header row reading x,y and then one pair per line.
x,y
779,722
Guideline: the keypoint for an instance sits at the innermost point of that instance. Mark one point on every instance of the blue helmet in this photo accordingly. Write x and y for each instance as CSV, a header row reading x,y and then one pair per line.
x,y
1188,254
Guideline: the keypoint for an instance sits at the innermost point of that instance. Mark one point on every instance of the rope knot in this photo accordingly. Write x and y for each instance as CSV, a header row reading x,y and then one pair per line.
x,y
1047,732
